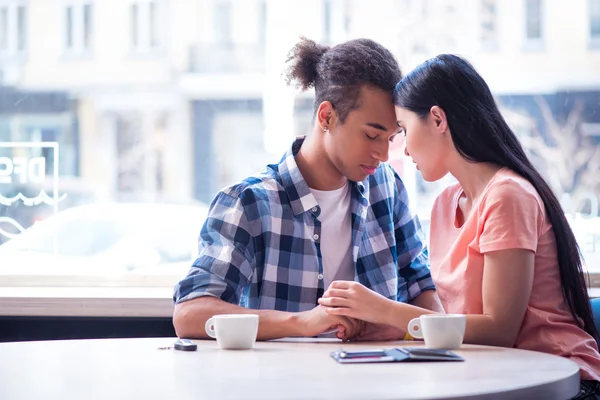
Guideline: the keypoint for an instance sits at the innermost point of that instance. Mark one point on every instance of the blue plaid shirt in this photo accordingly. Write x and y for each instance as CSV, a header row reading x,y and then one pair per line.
x,y
260,244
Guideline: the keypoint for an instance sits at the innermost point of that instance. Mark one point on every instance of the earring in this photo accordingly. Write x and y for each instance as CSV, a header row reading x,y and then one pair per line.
x,y
325,129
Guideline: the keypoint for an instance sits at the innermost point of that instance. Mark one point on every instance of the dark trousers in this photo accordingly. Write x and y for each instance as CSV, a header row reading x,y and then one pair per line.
x,y
588,390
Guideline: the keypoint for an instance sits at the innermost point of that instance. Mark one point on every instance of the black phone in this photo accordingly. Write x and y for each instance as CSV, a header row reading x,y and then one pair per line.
x,y
185,345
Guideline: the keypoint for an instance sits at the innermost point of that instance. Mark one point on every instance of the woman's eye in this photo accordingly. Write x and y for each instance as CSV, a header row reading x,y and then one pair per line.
x,y
402,132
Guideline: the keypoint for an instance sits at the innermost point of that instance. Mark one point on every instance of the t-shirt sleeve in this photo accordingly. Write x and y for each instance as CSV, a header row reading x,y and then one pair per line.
x,y
512,217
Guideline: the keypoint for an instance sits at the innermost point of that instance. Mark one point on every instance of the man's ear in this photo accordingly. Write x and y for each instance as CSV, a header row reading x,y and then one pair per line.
x,y
438,116
326,115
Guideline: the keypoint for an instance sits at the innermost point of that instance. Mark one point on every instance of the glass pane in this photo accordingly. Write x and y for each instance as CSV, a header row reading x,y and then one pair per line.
x,y
69,27
157,134
21,28
222,22
3,28
134,21
154,27
534,21
87,26
327,21
595,18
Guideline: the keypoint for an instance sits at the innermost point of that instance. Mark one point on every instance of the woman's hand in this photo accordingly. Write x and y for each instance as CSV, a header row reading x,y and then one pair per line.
x,y
351,299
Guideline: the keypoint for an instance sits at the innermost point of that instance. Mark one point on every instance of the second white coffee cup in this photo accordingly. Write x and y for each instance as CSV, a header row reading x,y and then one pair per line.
x,y
440,331
233,331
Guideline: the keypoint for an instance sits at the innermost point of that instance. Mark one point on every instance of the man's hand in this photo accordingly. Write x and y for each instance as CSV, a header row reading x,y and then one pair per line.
x,y
318,321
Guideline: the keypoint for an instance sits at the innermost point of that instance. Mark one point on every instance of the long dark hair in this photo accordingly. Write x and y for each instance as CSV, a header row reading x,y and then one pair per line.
x,y
480,134
337,73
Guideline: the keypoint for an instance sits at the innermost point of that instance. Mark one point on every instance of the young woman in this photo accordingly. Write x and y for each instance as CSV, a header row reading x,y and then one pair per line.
x,y
502,251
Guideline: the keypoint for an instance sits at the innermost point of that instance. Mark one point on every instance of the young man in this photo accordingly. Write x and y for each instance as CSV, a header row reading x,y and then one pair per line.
x,y
330,210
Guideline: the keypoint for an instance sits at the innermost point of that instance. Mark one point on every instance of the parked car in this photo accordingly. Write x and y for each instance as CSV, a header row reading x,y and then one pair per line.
x,y
37,202
107,237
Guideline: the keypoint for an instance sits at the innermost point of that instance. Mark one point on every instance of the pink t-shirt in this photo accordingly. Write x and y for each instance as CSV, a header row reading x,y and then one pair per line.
x,y
509,215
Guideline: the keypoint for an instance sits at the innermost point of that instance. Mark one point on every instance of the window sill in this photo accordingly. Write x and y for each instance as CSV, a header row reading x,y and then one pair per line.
x,y
86,302
97,301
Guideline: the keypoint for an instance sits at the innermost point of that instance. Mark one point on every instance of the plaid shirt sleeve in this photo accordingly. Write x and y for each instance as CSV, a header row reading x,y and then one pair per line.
x,y
414,276
224,265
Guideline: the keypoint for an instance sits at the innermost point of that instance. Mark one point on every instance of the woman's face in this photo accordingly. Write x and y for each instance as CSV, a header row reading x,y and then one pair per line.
x,y
425,143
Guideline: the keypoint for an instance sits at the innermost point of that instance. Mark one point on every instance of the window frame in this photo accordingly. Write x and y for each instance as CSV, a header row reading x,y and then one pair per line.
x,y
147,26
534,43
74,33
14,34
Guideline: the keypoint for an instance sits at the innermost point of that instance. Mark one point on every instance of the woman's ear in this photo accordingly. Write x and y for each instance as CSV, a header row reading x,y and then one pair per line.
x,y
438,116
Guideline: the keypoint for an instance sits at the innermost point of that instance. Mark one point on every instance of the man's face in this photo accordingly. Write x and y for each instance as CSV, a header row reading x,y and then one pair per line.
x,y
361,143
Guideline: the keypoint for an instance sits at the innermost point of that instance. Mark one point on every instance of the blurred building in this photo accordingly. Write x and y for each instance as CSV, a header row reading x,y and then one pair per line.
x,y
175,99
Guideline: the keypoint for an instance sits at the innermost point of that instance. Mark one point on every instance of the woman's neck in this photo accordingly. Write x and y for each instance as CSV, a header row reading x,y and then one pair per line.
x,y
473,177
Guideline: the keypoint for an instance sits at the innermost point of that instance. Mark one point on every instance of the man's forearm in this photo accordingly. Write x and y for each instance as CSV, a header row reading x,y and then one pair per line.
x,y
190,317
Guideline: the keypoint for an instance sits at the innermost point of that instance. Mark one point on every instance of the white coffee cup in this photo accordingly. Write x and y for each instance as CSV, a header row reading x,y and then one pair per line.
x,y
233,331
440,331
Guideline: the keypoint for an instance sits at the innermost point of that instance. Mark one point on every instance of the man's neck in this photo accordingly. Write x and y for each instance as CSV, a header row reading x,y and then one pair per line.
x,y
315,167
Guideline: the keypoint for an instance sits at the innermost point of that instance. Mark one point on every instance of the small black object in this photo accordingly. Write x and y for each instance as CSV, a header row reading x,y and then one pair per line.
x,y
185,345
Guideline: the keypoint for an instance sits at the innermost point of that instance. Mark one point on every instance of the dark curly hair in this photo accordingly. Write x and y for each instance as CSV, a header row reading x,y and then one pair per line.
x,y
338,73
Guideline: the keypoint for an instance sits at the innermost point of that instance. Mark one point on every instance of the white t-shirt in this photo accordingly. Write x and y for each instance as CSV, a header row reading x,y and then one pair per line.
x,y
336,234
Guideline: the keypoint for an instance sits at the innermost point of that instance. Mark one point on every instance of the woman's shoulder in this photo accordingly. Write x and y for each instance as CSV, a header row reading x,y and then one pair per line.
x,y
509,186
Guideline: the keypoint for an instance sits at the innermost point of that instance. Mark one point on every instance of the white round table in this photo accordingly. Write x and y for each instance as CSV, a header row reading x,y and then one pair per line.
x,y
286,369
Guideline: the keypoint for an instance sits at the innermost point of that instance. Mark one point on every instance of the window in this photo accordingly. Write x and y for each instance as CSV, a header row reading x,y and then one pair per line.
x,y
336,21
87,26
4,28
327,21
595,22
223,23
78,28
489,24
262,22
533,22
153,24
134,26
69,27
13,28
145,26
134,124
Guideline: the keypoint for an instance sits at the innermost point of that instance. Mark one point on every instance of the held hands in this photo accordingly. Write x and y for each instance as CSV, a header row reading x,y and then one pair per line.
x,y
318,321
358,313
352,299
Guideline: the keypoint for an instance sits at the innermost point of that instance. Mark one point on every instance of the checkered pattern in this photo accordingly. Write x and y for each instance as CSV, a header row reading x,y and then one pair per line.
x,y
260,245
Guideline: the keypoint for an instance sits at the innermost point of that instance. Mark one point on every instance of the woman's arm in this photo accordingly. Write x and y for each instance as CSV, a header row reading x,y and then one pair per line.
x,y
506,288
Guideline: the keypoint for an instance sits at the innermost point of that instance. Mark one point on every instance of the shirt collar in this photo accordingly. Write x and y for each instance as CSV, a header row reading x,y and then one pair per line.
x,y
296,188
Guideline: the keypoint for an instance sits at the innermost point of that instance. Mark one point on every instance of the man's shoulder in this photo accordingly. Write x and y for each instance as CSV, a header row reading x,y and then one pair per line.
x,y
256,187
